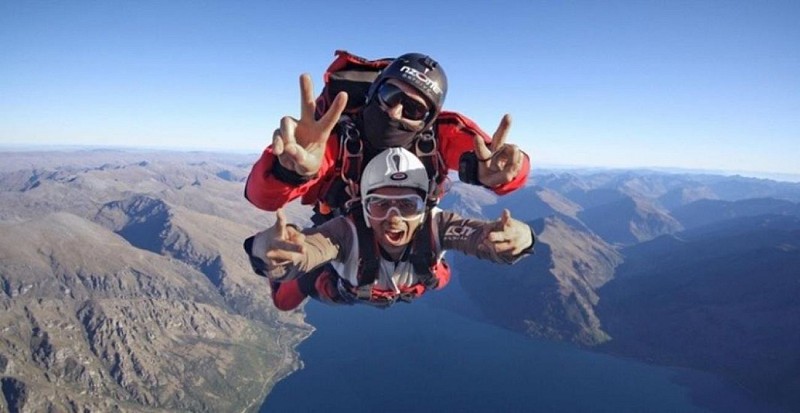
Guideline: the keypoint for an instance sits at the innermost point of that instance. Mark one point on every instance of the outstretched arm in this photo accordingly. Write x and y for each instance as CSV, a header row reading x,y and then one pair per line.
x,y
505,240
269,188
498,163
300,144
505,167
300,153
288,252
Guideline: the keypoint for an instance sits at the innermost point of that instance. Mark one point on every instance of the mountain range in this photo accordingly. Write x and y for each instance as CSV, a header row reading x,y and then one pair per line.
x,y
678,270
124,286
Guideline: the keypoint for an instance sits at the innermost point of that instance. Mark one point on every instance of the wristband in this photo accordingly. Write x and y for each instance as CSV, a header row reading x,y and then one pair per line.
x,y
257,264
288,176
468,168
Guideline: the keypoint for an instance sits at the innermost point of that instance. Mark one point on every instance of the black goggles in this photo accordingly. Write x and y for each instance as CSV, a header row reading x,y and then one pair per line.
x,y
390,95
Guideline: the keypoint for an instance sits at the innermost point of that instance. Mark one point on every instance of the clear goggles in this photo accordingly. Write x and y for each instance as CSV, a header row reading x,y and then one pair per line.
x,y
407,207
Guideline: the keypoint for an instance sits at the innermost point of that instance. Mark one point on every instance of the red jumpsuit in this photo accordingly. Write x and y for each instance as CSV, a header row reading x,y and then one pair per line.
x,y
454,131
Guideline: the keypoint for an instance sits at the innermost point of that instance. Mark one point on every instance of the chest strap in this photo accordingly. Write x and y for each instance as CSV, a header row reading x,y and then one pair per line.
x,y
422,256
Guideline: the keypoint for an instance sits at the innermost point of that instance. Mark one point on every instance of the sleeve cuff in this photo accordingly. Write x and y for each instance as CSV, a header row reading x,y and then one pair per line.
x,y
257,264
288,176
468,169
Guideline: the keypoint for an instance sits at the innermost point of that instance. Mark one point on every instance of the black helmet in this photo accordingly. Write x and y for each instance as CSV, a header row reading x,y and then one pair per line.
x,y
423,74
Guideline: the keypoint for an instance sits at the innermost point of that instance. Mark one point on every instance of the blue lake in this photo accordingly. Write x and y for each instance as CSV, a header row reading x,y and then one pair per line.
x,y
423,358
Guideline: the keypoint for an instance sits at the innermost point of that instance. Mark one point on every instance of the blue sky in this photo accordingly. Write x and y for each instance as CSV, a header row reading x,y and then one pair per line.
x,y
689,84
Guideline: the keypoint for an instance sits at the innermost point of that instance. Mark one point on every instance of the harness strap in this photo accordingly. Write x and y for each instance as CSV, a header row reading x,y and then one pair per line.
x,y
368,261
351,157
428,153
350,162
422,257
337,192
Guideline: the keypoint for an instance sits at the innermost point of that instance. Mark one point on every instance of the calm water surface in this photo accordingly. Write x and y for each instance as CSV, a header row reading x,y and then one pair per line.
x,y
426,359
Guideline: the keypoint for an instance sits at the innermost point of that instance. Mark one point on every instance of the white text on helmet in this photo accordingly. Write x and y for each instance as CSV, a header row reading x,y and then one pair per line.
x,y
419,76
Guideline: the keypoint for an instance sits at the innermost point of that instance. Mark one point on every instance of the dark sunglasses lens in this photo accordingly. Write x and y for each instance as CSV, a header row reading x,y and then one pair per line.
x,y
414,110
391,95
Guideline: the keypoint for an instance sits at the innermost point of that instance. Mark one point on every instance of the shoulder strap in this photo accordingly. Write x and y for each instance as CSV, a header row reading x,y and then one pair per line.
x,y
351,159
368,261
423,257
427,150
341,192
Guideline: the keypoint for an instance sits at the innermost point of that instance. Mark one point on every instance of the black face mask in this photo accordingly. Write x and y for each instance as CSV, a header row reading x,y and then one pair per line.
x,y
381,131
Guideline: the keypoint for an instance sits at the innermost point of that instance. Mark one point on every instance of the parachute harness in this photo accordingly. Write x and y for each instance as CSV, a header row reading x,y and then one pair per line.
x,y
427,152
351,151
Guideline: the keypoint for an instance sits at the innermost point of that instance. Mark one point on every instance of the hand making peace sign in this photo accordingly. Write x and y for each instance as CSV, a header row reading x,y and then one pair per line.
x,y
300,144
498,163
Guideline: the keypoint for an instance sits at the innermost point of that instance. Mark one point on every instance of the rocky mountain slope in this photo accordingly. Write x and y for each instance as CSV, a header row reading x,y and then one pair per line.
x,y
125,288
551,294
694,271
123,285
704,212
720,298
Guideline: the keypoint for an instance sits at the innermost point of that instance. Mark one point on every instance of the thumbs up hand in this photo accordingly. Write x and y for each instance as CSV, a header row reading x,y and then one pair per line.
x,y
282,244
508,236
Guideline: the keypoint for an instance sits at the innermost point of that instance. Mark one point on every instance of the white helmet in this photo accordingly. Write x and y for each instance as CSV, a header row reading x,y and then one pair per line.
x,y
394,167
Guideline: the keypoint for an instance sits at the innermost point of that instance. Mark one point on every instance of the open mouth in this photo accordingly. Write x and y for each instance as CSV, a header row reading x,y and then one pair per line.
x,y
394,235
